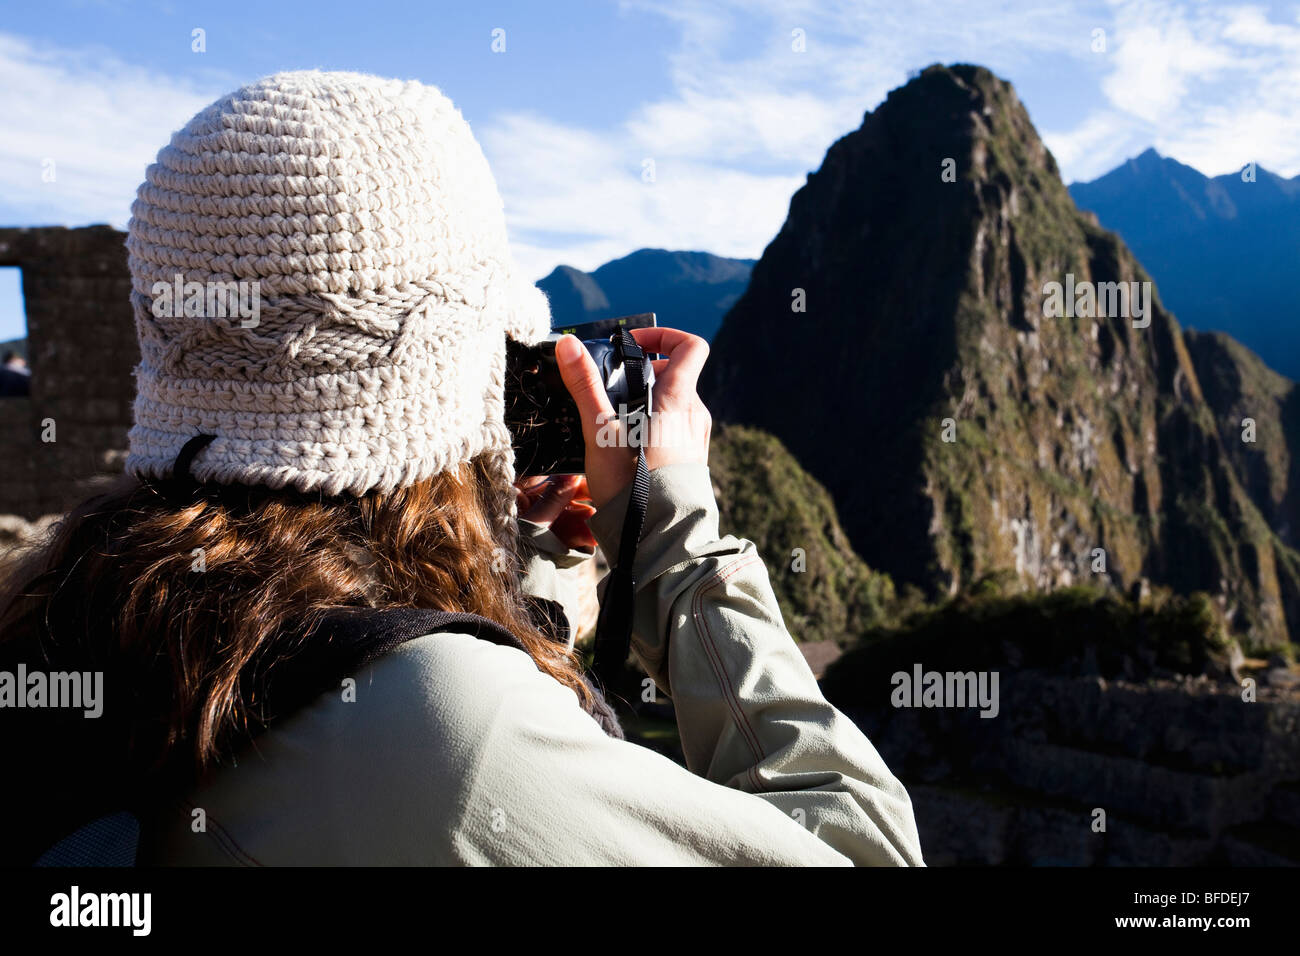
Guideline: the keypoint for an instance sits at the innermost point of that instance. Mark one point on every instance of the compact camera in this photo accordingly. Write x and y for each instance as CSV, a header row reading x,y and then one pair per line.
x,y
541,414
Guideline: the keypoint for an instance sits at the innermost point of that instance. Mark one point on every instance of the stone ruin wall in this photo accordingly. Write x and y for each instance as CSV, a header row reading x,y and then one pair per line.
x,y
82,350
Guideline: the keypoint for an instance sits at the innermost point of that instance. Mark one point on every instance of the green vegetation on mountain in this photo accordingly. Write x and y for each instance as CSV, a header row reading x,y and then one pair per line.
x,y
825,590
1257,412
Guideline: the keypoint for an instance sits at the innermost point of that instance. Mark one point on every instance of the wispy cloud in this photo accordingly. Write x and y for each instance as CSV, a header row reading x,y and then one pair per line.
x,y
97,120
1158,55
1214,87
593,198
1099,143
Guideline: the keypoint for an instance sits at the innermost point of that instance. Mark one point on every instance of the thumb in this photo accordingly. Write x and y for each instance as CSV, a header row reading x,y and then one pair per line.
x,y
582,379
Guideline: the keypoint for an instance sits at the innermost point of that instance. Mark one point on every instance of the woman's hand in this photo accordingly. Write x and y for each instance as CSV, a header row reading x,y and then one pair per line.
x,y
680,424
557,502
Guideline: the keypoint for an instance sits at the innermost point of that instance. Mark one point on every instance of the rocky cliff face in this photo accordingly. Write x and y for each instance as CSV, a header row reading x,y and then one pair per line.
x,y
1257,412
894,336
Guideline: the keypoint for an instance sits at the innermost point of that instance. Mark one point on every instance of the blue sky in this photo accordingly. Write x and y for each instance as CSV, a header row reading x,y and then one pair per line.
x,y
715,93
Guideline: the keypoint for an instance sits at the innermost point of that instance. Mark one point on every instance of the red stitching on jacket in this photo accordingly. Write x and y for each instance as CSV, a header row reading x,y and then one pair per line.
x,y
715,659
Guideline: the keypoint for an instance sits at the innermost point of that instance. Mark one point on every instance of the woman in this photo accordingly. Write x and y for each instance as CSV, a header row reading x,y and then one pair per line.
x,y
342,450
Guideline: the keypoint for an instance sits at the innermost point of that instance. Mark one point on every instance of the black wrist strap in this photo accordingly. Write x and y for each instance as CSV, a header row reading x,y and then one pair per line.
x,y
614,625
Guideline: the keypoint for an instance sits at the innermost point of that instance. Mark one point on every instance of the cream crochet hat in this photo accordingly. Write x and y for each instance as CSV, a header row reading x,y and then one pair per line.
x,y
366,212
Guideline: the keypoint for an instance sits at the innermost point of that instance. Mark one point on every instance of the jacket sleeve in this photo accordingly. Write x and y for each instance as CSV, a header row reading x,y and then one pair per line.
x,y
775,774
554,571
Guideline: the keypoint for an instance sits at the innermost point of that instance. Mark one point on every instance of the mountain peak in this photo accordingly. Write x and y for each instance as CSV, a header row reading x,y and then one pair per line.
x,y
571,290
895,336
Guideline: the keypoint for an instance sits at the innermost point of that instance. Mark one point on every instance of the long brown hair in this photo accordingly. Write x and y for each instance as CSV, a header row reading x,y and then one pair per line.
x,y
182,598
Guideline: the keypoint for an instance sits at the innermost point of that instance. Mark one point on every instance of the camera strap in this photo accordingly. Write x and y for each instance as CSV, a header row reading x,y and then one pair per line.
x,y
614,624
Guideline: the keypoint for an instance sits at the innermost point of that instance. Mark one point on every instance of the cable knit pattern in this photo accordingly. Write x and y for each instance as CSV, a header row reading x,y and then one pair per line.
x,y
366,212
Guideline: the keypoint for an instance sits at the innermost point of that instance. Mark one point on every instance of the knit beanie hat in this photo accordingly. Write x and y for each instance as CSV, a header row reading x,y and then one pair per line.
x,y
365,212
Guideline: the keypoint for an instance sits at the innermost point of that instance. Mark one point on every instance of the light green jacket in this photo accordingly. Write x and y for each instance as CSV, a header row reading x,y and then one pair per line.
x,y
460,751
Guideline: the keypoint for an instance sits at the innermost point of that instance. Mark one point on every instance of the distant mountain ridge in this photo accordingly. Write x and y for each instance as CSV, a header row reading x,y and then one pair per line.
x,y
686,290
1225,252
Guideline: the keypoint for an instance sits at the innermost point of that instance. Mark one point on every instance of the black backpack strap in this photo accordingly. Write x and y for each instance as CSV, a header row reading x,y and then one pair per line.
x,y
347,640
358,636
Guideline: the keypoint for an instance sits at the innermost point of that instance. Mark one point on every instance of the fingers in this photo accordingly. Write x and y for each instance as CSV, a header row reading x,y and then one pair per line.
x,y
530,488
554,502
660,339
571,526
582,379
554,497
686,355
